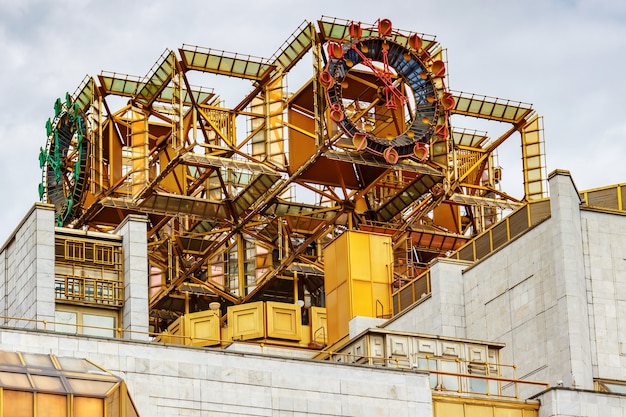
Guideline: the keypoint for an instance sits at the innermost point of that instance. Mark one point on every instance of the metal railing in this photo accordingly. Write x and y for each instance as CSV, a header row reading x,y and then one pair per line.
x,y
452,374
89,290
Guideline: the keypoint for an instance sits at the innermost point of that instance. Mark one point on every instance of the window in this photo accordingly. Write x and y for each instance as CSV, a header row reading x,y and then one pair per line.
x,y
89,271
103,254
75,250
618,387
87,321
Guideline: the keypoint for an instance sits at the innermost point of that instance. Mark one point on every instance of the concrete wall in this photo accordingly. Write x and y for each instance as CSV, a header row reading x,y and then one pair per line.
x,y
27,270
443,311
562,402
532,295
133,231
556,296
604,241
179,381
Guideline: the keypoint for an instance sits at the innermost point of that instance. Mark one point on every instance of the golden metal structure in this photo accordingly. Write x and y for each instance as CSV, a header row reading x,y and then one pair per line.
x,y
242,200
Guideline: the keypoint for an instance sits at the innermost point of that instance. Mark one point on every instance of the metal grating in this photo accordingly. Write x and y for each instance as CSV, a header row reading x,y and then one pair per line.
x,y
499,235
157,79
539,210
408,196
253,192
225,63
296,46
490,108
84,94
607,198
469,138
119,84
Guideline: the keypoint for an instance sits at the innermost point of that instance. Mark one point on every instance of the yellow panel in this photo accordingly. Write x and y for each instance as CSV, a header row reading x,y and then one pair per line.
x,y
357,271
284,321
472,410
507,412
344,310
333,317
112,403
247,321
342,259
441,409
204,328
176,331
359,256
49,405
530,413
382,294
17,403
381,258
330,271
130,407
92,407
319,329
447,215
362,299
301,145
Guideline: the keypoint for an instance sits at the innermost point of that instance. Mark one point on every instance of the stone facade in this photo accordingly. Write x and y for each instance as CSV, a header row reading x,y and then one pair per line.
x,y
135,249
556,296
170,380
27,270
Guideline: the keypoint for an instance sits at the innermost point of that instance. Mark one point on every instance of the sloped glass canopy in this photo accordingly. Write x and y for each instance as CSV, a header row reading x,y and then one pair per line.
x,y
47,385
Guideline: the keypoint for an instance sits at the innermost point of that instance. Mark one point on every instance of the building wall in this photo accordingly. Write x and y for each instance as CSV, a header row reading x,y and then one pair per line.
x,y
604,241
563,402
169,380
556,296
532,296
135,247
27,270
442,312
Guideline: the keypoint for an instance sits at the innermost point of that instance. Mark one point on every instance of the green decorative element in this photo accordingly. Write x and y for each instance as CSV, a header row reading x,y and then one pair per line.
x,y
64,160
43,157
57,108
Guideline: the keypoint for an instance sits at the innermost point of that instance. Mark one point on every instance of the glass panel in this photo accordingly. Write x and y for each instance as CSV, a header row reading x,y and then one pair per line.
x,y
104,325
449,382
80,365
87,387
13,380
17,404
130,407
40,361
48,383
65,321
113,403
88,407
429,364
50,405
10,358
618,388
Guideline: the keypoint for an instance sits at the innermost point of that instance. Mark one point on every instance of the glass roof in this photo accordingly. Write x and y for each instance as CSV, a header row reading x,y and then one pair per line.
x,y
49,373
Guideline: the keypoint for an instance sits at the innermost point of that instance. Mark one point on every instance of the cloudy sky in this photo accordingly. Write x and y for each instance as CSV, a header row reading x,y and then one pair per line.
x,y
566,57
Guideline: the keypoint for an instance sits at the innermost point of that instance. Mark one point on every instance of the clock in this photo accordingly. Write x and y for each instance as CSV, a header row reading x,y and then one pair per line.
x,y
64,161
407,100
